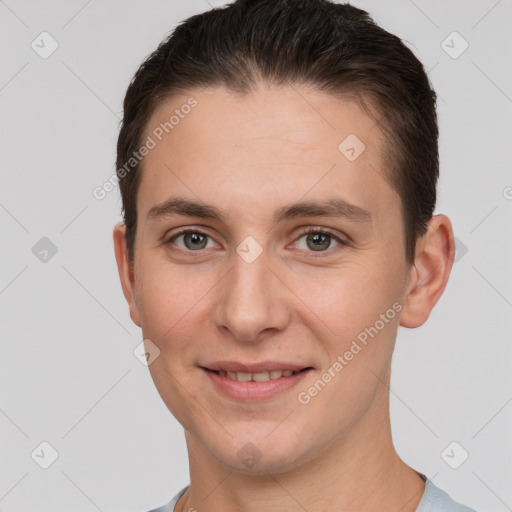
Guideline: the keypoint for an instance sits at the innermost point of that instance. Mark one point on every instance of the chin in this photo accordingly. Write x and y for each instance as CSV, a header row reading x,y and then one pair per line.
x,y
260,455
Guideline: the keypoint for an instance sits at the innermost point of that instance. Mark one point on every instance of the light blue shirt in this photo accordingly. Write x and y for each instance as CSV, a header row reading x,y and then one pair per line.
x,y
433,500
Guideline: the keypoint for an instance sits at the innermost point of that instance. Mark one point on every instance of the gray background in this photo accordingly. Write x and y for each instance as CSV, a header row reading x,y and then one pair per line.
x,y
68,375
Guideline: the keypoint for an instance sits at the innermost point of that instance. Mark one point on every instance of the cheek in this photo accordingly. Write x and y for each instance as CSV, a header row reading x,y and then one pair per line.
x,y
345,301
169,299
174,307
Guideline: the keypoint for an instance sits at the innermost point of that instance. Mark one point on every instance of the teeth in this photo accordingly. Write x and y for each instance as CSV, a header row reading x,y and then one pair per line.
x,y
258,377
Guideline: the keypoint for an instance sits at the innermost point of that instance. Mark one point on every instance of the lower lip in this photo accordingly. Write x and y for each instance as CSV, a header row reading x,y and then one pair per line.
x,y
253,390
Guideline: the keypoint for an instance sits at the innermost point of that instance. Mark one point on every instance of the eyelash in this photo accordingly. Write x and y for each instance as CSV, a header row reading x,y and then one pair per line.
x,y
306,231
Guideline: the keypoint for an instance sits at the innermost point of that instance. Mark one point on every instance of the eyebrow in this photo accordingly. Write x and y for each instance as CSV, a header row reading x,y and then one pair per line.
x,y
332,208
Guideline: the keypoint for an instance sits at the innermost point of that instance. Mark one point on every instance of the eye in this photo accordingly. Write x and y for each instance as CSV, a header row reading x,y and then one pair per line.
x,y
192,240
318,240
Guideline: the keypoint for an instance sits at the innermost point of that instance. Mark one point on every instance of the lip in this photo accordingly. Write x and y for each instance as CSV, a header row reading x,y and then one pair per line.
x,y
254,391
262,366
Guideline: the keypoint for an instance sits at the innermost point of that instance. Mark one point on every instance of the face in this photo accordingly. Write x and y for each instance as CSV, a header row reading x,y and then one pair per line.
x,y
236,288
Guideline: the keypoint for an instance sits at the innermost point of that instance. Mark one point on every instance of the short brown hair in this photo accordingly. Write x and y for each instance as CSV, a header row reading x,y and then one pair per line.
x,y
337,48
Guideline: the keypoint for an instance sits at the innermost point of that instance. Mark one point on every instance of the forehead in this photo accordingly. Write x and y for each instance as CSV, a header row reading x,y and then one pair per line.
x,y
268,145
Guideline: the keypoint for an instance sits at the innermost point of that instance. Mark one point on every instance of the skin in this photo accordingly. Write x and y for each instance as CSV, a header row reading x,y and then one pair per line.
x,y
251,155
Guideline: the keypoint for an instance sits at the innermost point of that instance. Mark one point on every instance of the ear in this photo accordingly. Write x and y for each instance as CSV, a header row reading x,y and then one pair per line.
x,y
433,262
126,271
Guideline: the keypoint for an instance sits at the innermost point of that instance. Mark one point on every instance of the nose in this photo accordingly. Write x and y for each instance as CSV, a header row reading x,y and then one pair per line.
x,y
252,302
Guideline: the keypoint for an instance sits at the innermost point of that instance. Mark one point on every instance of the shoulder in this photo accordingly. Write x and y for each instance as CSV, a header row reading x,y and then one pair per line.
x,y
437,500
169,507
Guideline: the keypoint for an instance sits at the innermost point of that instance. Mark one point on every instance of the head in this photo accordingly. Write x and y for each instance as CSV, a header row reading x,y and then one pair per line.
x,y
260,119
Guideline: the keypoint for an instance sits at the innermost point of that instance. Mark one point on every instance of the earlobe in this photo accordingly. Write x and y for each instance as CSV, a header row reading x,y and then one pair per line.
x,y
435,252
126,271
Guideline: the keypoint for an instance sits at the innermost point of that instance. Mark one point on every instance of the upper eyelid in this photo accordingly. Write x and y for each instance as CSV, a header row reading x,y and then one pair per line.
x,y
323,231
184,231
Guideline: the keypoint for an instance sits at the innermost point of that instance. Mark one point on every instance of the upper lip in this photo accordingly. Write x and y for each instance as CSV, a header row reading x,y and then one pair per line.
x,y
262,366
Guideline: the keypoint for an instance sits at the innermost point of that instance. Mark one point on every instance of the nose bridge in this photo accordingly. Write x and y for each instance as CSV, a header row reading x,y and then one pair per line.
x,y
251,300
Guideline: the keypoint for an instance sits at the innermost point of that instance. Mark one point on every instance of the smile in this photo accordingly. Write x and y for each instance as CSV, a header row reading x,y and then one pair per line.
x,y
254,387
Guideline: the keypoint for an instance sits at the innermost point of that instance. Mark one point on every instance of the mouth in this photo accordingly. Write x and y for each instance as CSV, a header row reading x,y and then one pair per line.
x,y
265,381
